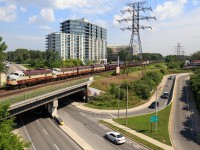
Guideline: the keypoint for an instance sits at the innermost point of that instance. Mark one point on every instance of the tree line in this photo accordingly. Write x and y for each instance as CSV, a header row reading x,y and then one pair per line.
x,y
40,59
123,55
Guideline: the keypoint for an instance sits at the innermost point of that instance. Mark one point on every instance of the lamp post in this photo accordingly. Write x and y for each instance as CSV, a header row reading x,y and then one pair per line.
x,y
118,99
127,105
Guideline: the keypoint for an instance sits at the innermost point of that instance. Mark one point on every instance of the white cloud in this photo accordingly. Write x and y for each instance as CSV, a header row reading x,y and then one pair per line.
x,y
46,15
169,9
46,27
8,13
28,38
102,23
22,9
195,2
63,4
32,19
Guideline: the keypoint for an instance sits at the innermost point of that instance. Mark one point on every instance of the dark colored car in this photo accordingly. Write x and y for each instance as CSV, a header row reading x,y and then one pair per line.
x,y
153,105
170,77
165,95
58,120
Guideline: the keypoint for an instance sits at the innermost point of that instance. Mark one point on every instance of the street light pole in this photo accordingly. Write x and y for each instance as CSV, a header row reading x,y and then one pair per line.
x,y
118,99
156,101
156,107
126,105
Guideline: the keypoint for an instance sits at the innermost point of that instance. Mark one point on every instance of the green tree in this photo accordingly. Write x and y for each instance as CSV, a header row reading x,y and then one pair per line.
x,y
21,55
196,56
51,57
3,47
111,56
9,140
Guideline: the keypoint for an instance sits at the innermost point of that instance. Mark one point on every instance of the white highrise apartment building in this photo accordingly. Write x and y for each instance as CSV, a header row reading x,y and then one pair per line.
x,y
79,39
67,45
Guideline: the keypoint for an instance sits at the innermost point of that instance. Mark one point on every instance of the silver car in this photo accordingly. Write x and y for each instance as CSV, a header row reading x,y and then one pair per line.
x,y
116,137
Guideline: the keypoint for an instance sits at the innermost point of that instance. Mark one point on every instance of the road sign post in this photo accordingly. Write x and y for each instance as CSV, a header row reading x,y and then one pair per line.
x,y
153,119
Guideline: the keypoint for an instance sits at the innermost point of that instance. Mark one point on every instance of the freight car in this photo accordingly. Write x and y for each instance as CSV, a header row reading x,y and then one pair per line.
x,y
30,77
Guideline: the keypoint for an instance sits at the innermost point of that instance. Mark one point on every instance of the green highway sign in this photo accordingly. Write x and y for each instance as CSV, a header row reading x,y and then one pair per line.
x,y
154,119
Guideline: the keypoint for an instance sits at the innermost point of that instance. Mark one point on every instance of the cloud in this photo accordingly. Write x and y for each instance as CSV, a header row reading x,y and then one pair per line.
x,y
28,38
101,23
46,15
63,4
8,13
169,9
195,2
22,9
46,27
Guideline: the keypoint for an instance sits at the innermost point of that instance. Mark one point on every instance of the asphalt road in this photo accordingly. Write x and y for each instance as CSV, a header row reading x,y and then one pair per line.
x,y
43,133
182,129
166,87
86,125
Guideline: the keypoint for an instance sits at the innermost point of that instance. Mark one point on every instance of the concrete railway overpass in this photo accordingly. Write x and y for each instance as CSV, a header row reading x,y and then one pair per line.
x,y
50,100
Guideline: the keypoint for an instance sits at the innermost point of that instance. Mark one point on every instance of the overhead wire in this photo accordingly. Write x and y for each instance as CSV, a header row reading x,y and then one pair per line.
x,y
108,12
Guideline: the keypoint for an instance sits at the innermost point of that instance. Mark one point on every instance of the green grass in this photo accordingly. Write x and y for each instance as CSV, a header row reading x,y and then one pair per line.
x,y
142,124
131,136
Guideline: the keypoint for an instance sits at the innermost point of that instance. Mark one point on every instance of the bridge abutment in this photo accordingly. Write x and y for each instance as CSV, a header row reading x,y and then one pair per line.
x,y
52,107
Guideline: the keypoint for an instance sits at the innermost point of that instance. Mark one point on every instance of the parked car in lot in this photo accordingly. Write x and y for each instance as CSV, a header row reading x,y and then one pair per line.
x,y
165,95
116,137
153,104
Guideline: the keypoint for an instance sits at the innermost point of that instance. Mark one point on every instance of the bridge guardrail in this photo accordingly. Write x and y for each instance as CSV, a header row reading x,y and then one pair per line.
x,y
40,91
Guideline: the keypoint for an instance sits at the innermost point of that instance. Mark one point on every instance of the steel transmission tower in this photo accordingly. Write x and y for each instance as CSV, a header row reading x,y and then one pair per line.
x,y
135,46
178,50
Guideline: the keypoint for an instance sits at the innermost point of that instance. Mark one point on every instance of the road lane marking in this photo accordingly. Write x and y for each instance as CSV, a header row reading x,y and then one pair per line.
x,y
74,119
99,137
56,147
27,134
112,115
45,131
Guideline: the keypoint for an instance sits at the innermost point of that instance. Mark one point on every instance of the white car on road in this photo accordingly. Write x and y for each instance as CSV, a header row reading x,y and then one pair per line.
x,y
116,137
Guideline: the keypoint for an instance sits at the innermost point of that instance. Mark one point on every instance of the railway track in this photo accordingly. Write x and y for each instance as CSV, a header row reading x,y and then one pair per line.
x,y
8,93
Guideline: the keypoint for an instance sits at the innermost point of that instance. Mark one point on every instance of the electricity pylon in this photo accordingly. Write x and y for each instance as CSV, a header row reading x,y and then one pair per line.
x,y
135,41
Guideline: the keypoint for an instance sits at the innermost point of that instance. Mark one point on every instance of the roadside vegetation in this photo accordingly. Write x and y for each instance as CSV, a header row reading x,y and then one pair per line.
x,y
9,140
115,87
131,136
142,125
195,84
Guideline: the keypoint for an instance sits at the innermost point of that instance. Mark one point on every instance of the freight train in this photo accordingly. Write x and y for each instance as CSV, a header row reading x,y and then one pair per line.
x,y
25,78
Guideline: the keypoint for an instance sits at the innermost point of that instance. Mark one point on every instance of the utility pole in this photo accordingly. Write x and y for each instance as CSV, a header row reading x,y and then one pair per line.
x,y
135,41
126,105
118,99
178,50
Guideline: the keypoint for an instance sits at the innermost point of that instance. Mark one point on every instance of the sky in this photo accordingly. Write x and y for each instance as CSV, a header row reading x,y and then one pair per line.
x,y
25,23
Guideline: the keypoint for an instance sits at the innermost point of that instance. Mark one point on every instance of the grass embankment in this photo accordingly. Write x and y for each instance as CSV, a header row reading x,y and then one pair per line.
x,y
142,125
138,93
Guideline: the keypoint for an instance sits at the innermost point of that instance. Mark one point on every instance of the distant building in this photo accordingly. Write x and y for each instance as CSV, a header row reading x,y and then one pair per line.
x,y
79,39
67,45
117,48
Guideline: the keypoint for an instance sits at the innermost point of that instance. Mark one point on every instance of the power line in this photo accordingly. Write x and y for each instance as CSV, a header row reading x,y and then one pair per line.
x,y
135,41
